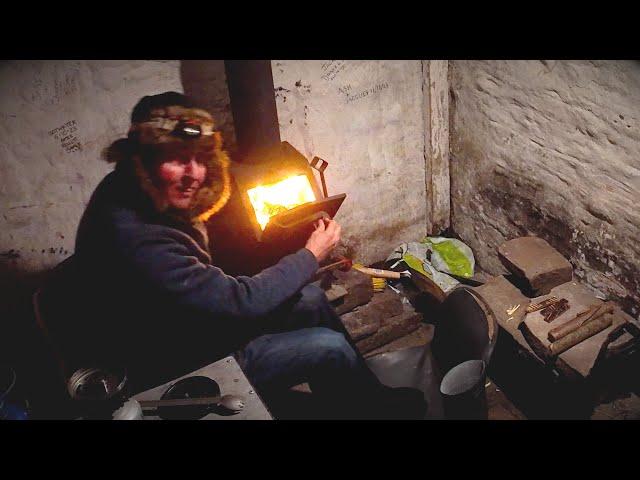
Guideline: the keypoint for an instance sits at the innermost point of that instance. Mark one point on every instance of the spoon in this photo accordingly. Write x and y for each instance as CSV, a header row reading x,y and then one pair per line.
x,y
233,403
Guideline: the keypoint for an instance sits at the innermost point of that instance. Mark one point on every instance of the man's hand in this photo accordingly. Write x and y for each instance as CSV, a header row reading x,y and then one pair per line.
x,y
324,238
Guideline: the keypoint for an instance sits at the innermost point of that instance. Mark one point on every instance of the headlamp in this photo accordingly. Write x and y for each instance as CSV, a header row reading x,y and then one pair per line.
x,y
187,129
174,123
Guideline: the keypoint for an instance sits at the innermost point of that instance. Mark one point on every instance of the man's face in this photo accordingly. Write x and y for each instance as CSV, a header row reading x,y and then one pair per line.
x,y
180,178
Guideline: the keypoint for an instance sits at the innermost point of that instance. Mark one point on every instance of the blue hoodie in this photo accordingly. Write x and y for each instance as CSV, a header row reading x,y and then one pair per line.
x,y
147,296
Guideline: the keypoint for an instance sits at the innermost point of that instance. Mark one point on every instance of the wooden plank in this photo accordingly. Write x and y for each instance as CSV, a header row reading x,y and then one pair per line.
x,y
435,86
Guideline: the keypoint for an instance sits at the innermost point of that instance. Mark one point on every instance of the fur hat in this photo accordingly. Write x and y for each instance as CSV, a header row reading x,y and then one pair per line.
x,y
166,125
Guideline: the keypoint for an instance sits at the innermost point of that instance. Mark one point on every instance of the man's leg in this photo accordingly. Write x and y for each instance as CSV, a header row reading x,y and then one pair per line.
x,y
310,308
317,355
312,345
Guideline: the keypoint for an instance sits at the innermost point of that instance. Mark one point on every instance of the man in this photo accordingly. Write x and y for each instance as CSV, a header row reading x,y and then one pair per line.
x,y
161,308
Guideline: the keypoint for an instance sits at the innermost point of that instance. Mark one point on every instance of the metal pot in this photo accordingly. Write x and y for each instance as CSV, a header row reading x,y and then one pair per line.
x,y
97,391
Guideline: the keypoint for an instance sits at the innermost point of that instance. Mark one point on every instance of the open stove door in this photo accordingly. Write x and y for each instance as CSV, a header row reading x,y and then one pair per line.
x,y
467,330
297,223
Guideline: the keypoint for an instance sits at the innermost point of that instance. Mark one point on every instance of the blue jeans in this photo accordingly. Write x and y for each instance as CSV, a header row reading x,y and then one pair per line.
x,y
305,341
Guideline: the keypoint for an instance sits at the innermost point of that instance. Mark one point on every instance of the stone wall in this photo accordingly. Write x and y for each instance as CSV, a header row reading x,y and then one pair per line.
x,y
55,119
365,118
551,148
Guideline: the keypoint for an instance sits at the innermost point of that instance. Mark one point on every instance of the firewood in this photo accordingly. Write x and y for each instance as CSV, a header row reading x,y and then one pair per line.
x,y
581,334
582,318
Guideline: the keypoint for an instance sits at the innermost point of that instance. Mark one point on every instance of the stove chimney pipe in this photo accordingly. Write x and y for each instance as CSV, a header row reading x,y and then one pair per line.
x,y
253,105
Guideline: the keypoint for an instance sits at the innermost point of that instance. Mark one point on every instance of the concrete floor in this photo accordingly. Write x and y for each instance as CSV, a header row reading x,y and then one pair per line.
x,y
625,407
500,407
618,404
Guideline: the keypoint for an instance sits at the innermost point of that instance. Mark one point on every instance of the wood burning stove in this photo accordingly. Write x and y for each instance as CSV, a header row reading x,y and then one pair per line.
x,y
275,198
274,205
281,197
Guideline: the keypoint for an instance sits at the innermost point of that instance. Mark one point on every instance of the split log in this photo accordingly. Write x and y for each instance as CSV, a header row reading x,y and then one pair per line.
x,y
593,312
581,334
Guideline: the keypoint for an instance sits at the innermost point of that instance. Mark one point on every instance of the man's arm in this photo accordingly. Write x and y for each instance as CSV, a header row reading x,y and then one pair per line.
x,y
167,260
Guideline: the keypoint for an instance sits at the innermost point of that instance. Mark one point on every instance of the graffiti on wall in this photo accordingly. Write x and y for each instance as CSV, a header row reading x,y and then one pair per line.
x,y
66,135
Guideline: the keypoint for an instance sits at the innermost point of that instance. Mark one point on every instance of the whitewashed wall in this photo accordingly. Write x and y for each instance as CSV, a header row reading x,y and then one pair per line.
x,y
55,119
551,148
366,119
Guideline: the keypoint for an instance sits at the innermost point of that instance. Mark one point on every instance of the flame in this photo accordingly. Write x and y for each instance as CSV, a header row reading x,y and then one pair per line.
x,y
269,200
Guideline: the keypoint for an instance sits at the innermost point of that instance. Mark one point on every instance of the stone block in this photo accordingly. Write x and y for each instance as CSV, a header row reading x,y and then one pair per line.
x,y
384,304
534,260
335,293
391,329
358,326
366,319
422,336
358,286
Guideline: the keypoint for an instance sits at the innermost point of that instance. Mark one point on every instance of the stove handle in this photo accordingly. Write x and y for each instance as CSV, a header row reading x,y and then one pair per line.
x,y
309,219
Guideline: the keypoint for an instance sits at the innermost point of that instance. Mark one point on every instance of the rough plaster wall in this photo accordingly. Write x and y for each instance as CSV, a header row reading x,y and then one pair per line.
x,y
55,119
551,148
365,119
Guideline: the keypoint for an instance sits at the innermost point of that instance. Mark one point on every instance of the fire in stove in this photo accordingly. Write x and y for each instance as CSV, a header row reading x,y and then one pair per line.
x,y
270,200
281,197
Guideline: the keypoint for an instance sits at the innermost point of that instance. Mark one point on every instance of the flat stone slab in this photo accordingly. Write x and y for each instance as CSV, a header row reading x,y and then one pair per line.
x,y
422,336
335,293
537,262
581,358
498,404
366,319
620,409
501,295
391,329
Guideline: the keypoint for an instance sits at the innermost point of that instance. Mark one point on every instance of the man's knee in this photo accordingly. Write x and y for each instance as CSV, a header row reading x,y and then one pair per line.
x,y
313,296
332,346
313,309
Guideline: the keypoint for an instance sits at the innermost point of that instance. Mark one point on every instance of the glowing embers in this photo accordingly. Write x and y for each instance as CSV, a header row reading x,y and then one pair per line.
x,y
270,200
